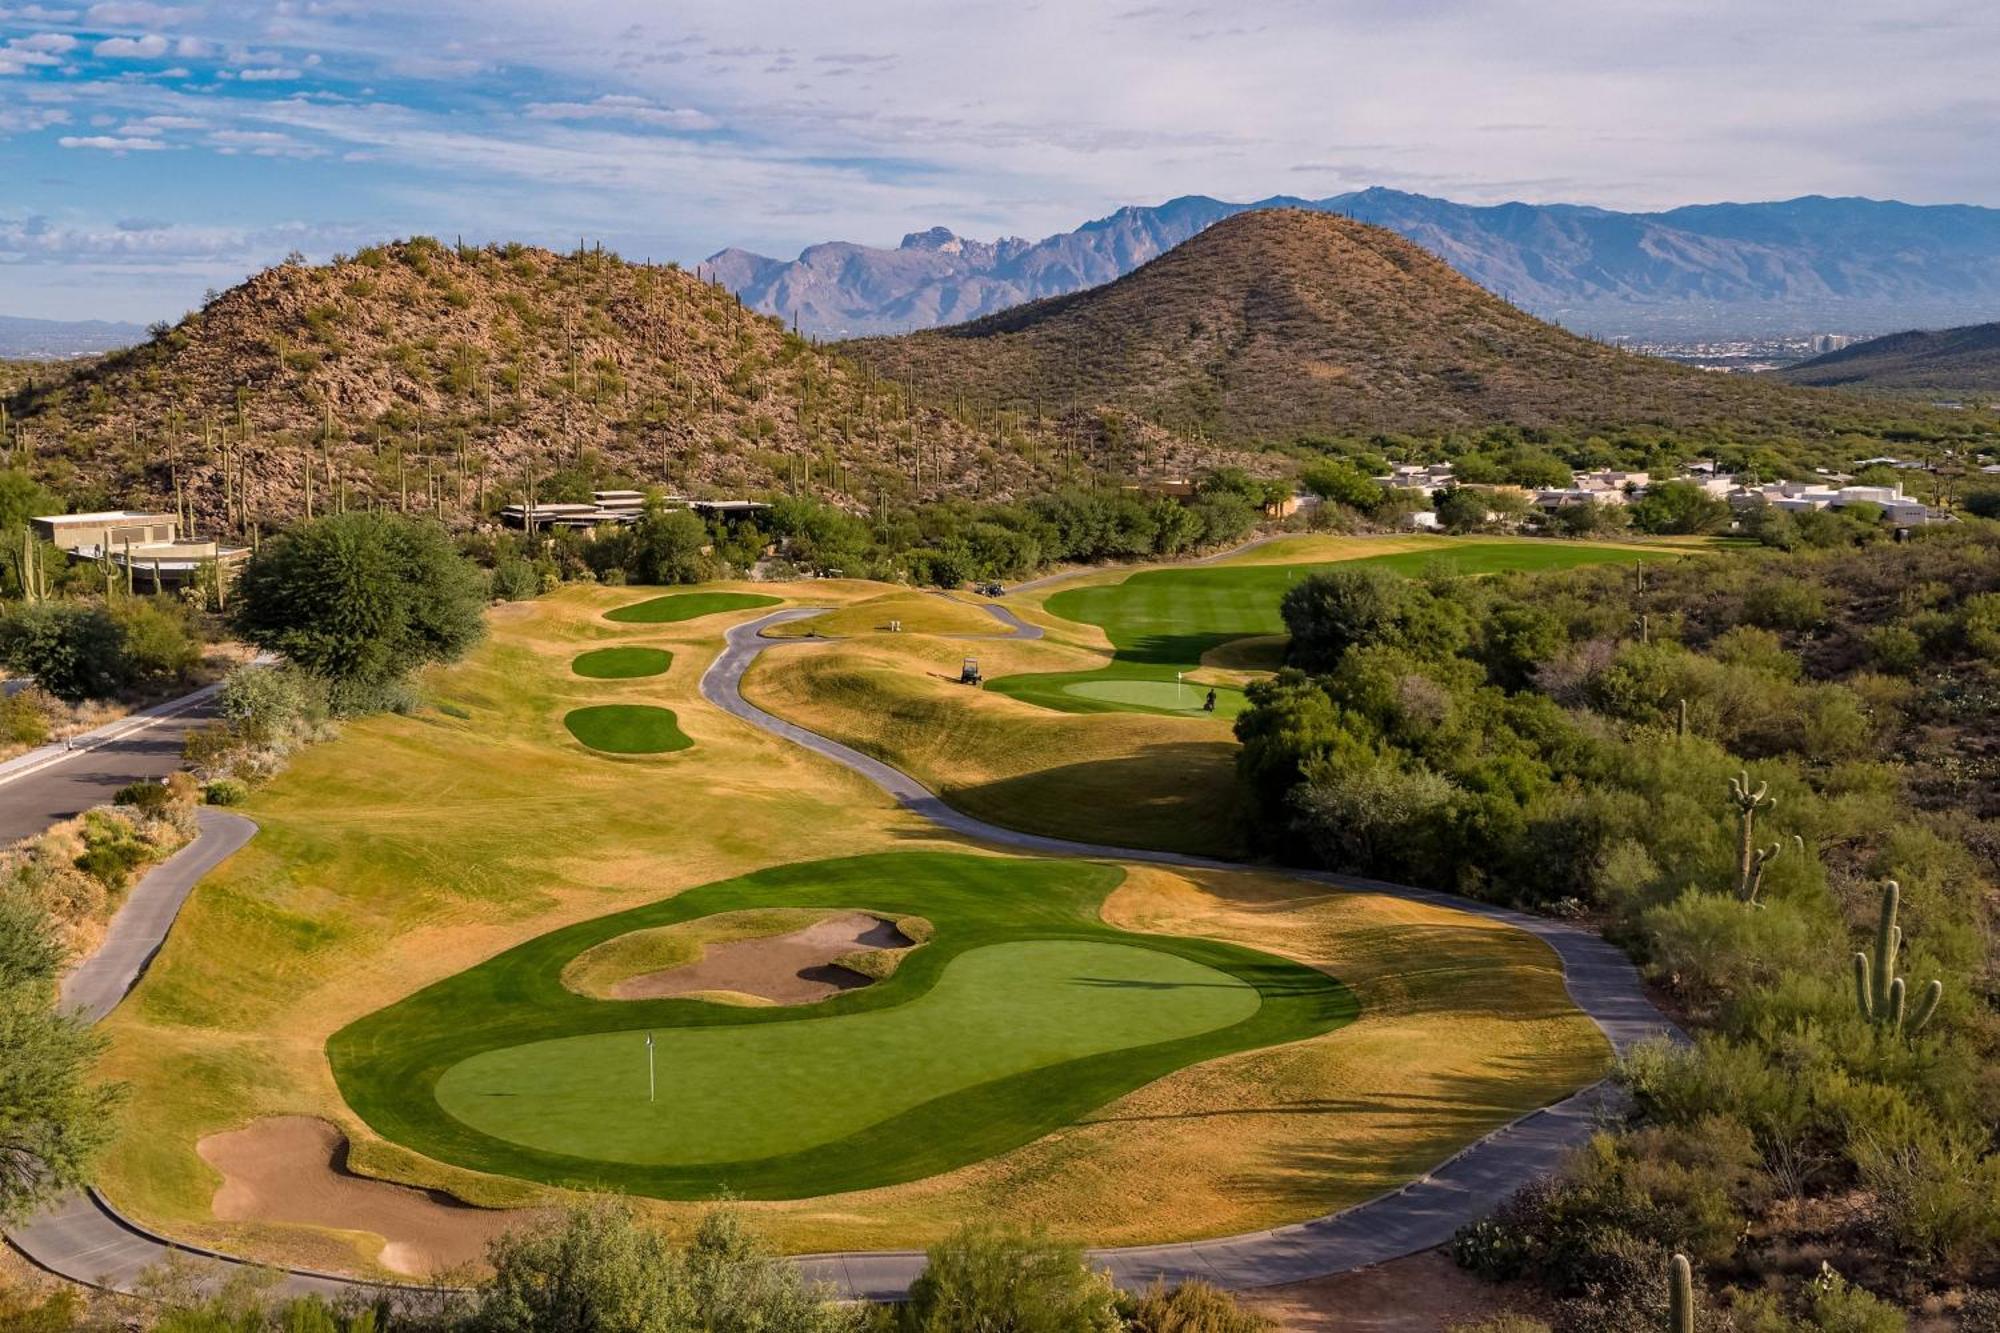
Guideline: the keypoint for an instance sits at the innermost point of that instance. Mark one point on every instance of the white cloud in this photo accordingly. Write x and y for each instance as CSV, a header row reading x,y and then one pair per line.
x,y
269,75
260,143
129,14
55,43
111,143
192,48
27,119
150,47
615,106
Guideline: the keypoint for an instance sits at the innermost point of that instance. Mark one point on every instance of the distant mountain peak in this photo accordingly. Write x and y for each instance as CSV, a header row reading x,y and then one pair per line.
x,y
1809,264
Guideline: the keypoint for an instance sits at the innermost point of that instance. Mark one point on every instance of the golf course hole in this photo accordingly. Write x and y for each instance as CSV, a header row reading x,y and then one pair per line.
x,y
740,1093
627,728
786,956
680,606
1159,696
622,663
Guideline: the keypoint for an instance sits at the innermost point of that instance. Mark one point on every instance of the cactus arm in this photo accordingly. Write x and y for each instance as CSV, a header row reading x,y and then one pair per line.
x,y
1898,997
1864,987
1680,1295
1926,1010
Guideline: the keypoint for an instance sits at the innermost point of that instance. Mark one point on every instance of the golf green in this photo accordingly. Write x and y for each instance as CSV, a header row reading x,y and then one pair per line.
x,y
1024,1013
627,728
622,663
733,1094
1161,621
680,606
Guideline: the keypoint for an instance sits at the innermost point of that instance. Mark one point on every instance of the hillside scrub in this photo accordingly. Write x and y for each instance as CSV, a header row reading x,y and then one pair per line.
x,y
1721,758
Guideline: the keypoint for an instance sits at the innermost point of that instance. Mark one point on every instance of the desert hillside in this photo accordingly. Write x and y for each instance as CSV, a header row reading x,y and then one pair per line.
x,y
434,378
1283,322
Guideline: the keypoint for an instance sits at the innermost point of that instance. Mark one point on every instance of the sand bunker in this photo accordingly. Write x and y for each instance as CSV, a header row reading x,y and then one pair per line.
x,y
293,1168
798,968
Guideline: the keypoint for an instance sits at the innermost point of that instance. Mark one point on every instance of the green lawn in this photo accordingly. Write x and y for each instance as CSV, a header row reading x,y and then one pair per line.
x,y
678,606
1162,621
1024,1013
627,728
622,663
1120,688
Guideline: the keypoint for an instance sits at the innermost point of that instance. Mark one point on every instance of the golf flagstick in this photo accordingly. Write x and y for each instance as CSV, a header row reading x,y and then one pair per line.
x,y
650,1085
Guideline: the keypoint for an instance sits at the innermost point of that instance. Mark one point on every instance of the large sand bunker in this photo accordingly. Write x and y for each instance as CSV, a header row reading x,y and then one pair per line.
x,y
796,968
293,1168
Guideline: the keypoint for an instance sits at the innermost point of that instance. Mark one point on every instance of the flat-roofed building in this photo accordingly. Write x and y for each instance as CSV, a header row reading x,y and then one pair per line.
x,y
90,534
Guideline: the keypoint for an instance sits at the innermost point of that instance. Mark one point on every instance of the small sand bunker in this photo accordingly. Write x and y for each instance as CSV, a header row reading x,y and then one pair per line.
x,y
293,1168
797,968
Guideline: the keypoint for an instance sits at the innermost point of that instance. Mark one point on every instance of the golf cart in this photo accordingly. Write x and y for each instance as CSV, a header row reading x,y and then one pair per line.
x,y
968,673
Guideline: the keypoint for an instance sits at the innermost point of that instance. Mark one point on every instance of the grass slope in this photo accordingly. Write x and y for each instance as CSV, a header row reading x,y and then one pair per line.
x,y
627,663
676,607
916,612
627,728
1025,1012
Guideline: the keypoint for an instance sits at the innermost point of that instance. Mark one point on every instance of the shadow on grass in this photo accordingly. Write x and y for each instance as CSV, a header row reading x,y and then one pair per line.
x,y
1175,796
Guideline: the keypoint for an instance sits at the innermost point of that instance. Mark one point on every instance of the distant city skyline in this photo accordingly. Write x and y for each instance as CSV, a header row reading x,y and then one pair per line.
x,y
154,150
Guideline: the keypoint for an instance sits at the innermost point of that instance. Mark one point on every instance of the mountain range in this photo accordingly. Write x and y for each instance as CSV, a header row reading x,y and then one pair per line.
x,y
53,338
1280,323
1706,270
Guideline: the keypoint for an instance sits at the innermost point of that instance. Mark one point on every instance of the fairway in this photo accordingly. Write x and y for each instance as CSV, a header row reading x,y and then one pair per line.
x,y
1024,1012
627,728
679,606
733,1094
1107,690
622,663
1162,621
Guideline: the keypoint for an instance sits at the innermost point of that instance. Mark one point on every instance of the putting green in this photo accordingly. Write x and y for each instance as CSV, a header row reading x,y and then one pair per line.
x,y
732,1095
1024,1013
622,663
1157,696
680,606
627,728
1161,621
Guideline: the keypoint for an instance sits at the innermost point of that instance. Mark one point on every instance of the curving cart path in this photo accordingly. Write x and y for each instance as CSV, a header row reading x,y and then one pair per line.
x,y
83,1238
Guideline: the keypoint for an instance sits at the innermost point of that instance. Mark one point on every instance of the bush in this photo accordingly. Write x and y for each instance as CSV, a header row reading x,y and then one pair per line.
x,y
145,797
987,1279
225,791
516,581
159,645
74,651
1191,1307
22,721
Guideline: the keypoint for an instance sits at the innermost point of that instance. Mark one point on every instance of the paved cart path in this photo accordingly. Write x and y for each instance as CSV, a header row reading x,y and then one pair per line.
x,y
85,1239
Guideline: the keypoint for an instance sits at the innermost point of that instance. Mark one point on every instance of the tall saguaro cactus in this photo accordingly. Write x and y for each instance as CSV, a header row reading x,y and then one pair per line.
x,y
1680,1295
1881,995
1750,862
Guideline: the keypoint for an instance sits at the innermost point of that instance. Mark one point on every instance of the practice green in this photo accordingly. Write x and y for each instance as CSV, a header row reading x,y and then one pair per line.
x,y
622,663
1024,1013
680,606
734,1093
1163,620
627,728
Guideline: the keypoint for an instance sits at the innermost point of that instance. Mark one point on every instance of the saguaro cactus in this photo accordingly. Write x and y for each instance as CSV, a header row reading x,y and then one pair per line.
x,y
1680,1295
1749,864
1881,995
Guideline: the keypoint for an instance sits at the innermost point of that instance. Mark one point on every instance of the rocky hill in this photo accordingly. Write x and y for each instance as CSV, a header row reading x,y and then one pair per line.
x,y
1711,269
422,376
1276,323
1942,360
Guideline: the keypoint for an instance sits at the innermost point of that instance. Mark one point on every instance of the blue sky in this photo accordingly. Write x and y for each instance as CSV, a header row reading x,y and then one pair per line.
x,y
149,151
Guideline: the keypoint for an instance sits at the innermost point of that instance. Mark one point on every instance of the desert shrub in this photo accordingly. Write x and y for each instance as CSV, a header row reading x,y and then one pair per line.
x,y
1788,604
74,651
1506,1323
22,718
915,929
145,797
1710,947
1191,1307
112,849
987,1279
516,581
225,791
159,643
1835,1305
1895,649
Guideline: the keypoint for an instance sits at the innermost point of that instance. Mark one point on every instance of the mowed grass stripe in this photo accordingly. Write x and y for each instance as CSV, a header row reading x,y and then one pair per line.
x,y
627,728
390,1064
679,606
627,663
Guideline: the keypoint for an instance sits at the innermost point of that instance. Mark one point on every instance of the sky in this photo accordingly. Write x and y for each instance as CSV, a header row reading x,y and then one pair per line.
x,y
150,151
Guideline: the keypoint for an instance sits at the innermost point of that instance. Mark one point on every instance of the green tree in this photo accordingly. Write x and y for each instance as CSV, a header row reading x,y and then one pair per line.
x,y
361,599
1328,613
988,1279
1340,482
670,546
72,649
53,1120
1679,507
